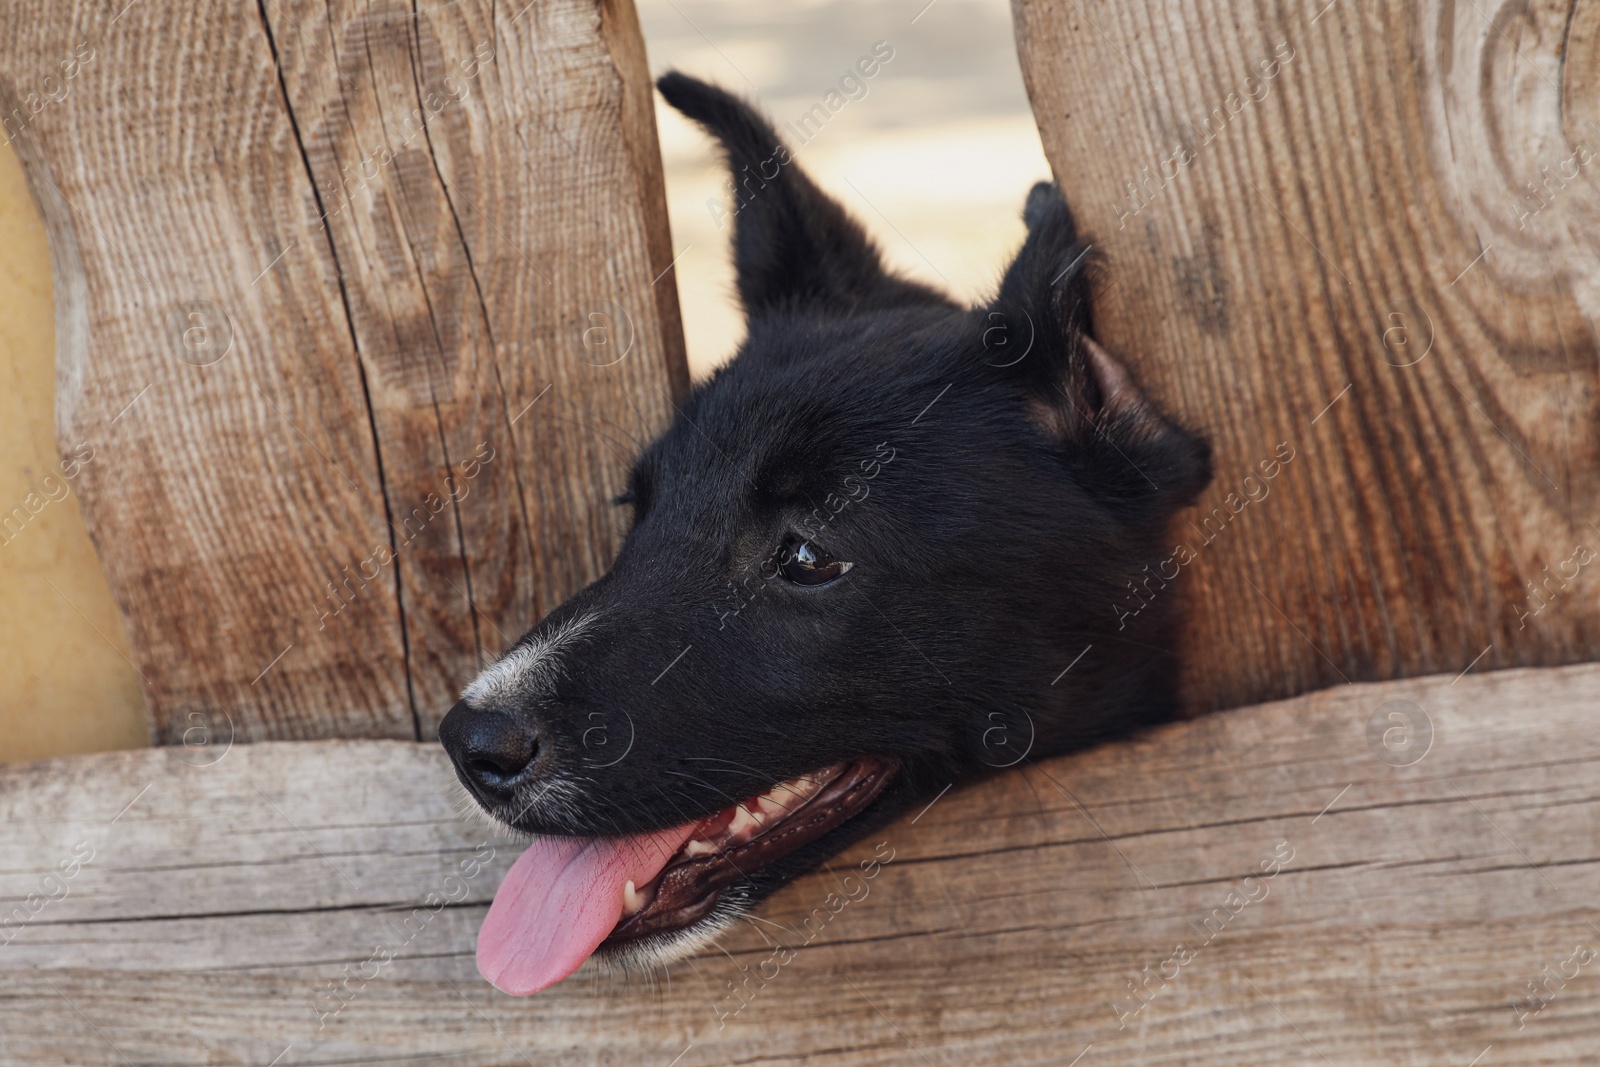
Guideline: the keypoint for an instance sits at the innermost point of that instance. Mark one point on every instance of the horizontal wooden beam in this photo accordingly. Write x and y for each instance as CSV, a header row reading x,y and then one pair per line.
x,y
1372,874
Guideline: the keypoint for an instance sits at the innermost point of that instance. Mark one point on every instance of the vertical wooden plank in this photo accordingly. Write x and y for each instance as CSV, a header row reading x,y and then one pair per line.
x,y
233,465
340,289
1321,241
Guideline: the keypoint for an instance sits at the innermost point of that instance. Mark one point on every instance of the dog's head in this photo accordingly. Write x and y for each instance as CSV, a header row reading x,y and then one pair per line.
x,y
893,545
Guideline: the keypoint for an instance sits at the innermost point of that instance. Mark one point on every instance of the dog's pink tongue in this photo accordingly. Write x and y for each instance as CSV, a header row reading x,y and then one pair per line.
x,y
560,900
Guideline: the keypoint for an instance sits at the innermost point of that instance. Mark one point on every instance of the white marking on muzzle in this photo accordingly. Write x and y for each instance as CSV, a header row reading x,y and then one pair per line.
x,y
528,671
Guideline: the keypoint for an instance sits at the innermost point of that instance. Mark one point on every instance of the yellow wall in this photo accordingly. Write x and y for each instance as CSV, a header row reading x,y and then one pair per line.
x,y
66,684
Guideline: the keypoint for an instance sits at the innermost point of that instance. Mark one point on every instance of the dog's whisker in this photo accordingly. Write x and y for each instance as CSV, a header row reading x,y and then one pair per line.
x,y
740,804
701,781
753,918
765,940
732,763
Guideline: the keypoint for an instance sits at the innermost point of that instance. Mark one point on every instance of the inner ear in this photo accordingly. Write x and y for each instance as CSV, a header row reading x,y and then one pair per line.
x,y
1114,438
1091,390
1116,396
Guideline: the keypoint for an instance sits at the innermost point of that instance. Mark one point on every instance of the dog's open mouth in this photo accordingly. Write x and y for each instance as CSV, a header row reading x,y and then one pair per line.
x,y
567,896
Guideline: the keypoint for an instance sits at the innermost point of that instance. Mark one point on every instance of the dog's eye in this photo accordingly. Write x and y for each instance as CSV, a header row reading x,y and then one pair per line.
x,y
803,563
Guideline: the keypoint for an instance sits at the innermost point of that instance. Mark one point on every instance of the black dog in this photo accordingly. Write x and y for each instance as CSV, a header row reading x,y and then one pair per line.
x,y
861,562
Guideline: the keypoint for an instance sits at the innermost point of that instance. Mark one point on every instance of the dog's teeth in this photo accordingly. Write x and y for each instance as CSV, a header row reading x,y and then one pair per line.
x,y
632,899
782,799
743,820
754,815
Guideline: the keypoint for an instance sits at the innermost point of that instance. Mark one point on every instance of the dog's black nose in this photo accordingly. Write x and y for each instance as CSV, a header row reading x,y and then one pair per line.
x,y
490,749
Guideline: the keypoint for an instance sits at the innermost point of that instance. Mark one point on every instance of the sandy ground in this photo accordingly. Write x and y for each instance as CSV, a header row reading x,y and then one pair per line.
x,y
934,154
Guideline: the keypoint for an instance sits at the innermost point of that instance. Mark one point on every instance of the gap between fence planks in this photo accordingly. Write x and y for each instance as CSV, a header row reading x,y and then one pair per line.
x,y
1367,232
1411,907
363,309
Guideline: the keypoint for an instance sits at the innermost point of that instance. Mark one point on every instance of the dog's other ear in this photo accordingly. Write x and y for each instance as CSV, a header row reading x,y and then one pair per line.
x,y
1117,443
795,248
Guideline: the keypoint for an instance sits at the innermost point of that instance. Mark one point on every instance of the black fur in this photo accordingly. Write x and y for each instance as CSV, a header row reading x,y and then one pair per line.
x,y
1003,486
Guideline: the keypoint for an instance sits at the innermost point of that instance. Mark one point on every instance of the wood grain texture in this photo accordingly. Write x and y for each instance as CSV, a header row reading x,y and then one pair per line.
x,y
1369,234
1427,869
362,309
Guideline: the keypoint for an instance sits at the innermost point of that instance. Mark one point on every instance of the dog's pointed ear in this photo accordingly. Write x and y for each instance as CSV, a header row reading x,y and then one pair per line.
x,y
794,246
1112,437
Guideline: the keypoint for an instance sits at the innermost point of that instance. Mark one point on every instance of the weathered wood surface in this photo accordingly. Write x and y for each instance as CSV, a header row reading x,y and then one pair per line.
x,y
1369,231
1428,869
361,307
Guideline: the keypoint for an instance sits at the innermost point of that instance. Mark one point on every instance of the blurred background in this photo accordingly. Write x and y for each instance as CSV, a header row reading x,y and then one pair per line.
x,y
934,154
